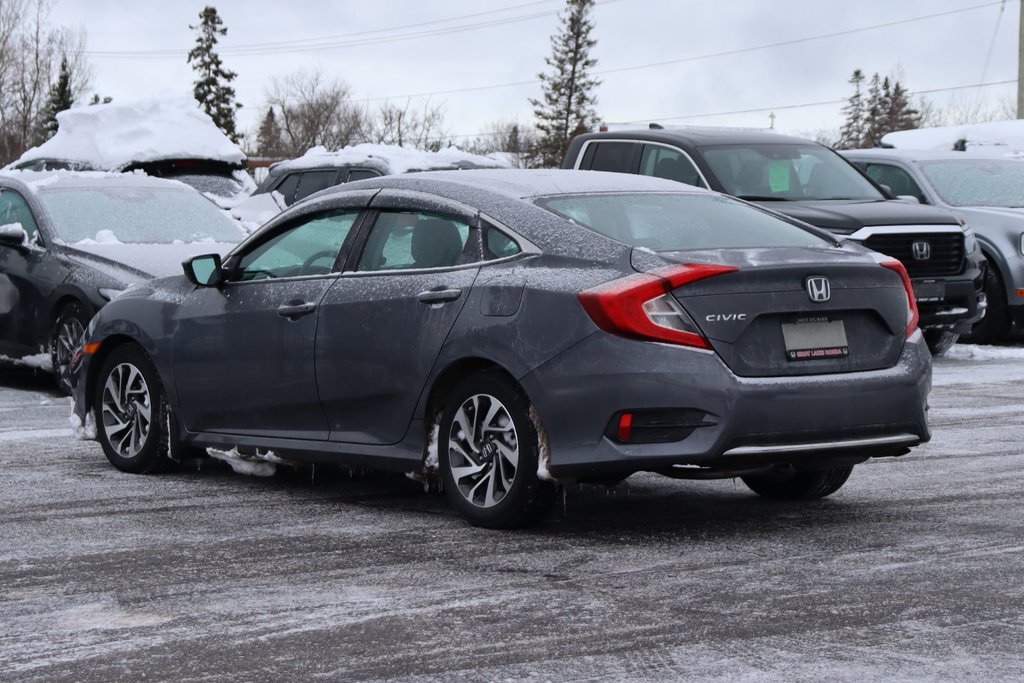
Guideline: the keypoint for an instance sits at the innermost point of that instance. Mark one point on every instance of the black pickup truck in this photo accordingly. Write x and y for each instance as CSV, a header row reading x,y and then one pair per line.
x,y
808,181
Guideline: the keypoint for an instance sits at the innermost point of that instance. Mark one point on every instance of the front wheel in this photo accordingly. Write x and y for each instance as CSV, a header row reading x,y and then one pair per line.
x,y
788,483
131,413
940,341
996,325
488,452
66,338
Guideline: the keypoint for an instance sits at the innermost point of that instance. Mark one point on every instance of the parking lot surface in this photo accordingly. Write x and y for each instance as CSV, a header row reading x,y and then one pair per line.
x,y
913,571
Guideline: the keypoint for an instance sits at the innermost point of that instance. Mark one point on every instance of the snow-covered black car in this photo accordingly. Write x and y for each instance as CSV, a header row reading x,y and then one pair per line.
x,y
511,329
70,242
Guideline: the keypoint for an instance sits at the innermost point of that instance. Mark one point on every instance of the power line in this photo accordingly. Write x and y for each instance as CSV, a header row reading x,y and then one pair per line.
x,y
694,58
779,107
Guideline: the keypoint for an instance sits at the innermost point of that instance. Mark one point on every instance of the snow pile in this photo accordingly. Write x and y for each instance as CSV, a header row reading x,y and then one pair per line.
x,y
391,159
259,464
39,361
104,237
982,353
112,136
83,431
995,137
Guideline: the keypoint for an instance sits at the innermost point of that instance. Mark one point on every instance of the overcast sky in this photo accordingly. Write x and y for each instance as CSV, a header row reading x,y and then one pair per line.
x,y
400,48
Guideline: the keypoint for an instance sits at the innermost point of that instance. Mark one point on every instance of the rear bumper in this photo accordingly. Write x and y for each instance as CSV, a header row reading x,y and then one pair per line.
x,y
748,421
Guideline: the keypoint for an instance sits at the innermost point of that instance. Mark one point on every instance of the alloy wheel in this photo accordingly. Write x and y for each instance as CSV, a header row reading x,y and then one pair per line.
x,y
126,410
69,337
483,450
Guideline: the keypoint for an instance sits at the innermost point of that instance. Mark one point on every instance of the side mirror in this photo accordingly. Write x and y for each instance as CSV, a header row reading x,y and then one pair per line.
x,y
909,198
13,235
204,270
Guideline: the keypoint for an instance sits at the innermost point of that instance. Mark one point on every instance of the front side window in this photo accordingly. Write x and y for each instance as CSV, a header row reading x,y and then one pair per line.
x,y
361,174
314,181
14,210
977,182
307,249
680,222
896,179
402,240
786,172
671,164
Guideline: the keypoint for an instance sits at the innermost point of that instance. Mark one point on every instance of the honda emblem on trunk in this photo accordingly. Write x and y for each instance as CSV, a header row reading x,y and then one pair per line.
x,y
818,289
922,251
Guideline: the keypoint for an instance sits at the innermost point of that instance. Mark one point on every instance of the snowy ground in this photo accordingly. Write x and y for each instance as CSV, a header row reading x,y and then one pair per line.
x,y
912,572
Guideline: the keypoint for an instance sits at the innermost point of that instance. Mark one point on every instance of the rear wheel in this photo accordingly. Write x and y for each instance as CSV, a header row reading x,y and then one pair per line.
x,y
131,413
940,341
787,483
488,452
65,340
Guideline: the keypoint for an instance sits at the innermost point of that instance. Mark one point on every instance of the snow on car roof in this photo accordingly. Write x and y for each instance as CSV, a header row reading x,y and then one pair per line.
x,y
390,159
112,136
994,137
40,180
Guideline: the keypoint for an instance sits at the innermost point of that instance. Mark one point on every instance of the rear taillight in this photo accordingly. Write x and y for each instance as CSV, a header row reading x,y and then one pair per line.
x,y
912,314
642,306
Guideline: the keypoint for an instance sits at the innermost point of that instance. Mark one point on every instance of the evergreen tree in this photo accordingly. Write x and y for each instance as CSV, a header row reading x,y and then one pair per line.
x,y
568,102
852,133
269,141
59,99
212,91
887,109
96,100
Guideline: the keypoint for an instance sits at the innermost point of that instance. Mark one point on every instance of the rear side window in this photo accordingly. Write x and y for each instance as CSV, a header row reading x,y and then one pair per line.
x,y
402,240
613,156
680,222
498,244
668,163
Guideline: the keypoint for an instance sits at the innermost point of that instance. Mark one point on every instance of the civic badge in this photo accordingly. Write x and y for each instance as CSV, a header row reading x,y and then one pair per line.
x,y
818,288
922,251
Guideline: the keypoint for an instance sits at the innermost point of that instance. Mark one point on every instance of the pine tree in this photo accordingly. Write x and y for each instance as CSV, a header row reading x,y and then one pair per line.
x,y
899,114
212,91
852,134
269,142
888,109
568,102
59,99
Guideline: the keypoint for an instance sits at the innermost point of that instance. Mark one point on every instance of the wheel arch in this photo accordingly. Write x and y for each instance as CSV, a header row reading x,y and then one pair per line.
x,y
448,378
107,347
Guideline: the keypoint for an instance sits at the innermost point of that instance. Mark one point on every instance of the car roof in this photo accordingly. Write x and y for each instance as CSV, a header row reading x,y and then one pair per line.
x,y
699,137
33,181
521,183
923,154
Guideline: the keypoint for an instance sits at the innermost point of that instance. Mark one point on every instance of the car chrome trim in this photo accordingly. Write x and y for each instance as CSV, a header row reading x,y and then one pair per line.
x,y
872,230
894,440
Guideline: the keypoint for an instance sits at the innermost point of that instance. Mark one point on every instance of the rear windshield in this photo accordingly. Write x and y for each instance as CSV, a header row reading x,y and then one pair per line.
x,y
136,215
680,222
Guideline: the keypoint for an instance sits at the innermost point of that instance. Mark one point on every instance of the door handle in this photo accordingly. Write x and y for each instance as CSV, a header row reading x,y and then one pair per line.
x,y
295,311
439,296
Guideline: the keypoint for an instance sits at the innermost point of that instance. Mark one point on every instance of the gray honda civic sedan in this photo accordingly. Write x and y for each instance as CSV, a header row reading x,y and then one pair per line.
x,y
507,331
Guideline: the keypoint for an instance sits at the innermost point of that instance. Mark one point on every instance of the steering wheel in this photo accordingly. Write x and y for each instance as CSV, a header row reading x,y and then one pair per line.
x,y
307,265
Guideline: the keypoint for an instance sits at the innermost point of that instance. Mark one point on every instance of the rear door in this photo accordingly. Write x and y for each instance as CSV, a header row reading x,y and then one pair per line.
x,y
384,321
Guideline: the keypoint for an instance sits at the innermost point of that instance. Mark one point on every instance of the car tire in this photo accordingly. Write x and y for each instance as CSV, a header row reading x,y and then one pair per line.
x,y
65,339
940,341
788,483
995,326
480,478
131,413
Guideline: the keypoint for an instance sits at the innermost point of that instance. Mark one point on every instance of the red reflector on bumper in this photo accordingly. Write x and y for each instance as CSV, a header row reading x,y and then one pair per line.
x,y
625,426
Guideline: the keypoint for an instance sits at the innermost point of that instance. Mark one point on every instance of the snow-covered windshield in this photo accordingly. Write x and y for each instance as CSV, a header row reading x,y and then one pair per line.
x,y
220,185
679,222
136,214
977,182
786,172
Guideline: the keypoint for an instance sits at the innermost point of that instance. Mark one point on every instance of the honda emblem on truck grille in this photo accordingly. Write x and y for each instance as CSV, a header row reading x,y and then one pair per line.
x,y
818,289
922,251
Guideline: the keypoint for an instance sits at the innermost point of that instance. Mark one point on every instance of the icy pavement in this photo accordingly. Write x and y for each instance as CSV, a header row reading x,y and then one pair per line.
x,y
912,572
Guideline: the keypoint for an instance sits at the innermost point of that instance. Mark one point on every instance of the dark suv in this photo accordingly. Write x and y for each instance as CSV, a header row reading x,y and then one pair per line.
x,y
808,181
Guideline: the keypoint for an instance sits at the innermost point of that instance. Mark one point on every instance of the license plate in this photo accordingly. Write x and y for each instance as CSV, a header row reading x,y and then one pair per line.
x,y
929,290
815,339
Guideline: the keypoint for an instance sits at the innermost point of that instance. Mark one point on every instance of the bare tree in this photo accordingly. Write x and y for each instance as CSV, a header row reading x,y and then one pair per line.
x,y
509,137
969,110
312,110
395,125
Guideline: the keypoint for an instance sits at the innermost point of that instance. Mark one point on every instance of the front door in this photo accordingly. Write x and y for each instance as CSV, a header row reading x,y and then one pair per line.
x,y
244,352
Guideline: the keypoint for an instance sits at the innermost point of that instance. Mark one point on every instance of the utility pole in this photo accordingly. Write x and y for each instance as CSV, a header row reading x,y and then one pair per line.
x,y
1020,64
